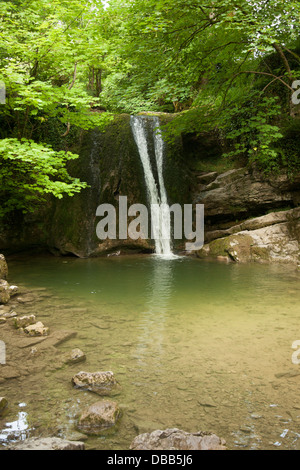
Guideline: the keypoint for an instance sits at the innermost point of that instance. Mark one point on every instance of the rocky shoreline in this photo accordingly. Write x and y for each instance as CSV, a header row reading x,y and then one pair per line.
x,y
32,348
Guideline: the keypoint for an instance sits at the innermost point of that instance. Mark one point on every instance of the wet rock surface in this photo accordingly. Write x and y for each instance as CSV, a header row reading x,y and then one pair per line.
x,y
176,439
28,357
99,416
74,357
3,405
24,321
4,292
25,336
3,267
102,383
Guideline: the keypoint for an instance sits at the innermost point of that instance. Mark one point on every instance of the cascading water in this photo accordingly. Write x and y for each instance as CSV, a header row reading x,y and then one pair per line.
x,y
156,192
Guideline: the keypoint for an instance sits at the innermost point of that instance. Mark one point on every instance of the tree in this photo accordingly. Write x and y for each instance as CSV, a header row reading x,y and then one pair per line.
x,y
47,51
213,59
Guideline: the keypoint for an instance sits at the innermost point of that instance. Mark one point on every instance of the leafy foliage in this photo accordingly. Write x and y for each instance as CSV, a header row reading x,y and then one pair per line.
x,y
39,169
203,60
254,135
224,65
47,52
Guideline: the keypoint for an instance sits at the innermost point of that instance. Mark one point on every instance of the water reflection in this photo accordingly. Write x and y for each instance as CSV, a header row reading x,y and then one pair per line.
x,y
152,321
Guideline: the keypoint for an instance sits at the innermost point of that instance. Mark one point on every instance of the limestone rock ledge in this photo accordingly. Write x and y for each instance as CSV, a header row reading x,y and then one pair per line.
x,y
242,193
274,237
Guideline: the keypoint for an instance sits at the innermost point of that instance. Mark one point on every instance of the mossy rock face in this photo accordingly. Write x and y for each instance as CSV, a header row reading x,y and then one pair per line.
x,y
240,248
219,247
3,406
102,383
99,417
259,253
235,247
109,162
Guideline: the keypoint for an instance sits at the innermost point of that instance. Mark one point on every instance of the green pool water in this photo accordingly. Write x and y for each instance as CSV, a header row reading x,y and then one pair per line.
x,y
195,345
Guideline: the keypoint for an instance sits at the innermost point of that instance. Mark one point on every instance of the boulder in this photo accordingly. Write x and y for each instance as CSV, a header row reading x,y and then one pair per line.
x,y
13,290
74,357
98,417
24,321
38,329
102,383
47,443
175,439
3,267
4,292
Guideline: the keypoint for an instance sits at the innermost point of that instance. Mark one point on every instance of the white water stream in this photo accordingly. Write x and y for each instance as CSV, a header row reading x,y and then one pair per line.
x,y
160,215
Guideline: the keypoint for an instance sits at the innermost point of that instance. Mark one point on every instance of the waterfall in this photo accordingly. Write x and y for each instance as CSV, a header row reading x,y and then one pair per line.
x,y
156,190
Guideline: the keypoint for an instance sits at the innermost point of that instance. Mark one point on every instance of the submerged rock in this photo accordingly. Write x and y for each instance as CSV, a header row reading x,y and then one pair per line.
x,y
175,439
38,329
3,267
8,313
4,292
75,356
26,298
102,383
13,290
47,443
3,405
23,322
99,416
